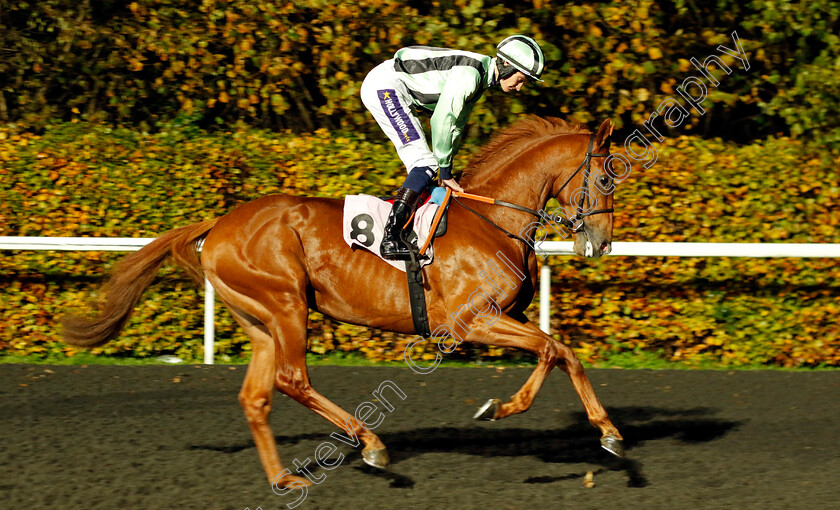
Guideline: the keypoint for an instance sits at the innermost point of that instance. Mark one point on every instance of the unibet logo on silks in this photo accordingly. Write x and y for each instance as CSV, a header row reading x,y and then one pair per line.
x,y
397,115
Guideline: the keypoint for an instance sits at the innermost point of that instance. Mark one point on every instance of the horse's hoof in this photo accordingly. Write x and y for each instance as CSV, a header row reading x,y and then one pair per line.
x,y
376,458
488,411
613,445
291,481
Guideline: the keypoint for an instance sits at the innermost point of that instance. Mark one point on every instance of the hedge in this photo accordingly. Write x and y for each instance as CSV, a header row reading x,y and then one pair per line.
x,y
300,64
87,179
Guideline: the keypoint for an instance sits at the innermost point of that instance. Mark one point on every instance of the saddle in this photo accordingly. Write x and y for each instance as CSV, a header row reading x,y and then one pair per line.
x,y
441,197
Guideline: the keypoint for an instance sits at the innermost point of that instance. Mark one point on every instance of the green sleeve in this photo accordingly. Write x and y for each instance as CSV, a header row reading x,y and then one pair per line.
x,y
452,113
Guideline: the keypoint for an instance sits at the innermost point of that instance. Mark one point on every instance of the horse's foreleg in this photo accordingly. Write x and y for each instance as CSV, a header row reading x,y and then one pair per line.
x,y
506,332
611,439
521,401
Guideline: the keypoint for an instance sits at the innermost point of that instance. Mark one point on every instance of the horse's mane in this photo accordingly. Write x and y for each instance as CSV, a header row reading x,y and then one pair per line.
x,y
528,129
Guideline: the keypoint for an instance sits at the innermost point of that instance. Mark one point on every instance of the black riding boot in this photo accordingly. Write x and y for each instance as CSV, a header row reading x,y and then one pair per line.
x,y
393,247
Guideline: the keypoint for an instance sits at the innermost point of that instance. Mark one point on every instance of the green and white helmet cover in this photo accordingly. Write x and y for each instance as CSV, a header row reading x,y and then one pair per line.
x,y
524,54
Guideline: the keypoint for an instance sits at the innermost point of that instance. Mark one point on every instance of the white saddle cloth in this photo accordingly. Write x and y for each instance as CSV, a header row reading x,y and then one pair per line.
x,y
364,224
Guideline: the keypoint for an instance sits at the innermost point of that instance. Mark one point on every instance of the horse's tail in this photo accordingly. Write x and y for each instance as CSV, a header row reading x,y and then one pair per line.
x,y
131,277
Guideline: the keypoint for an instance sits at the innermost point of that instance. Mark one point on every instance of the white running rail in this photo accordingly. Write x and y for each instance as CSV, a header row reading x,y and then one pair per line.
x,y
547,248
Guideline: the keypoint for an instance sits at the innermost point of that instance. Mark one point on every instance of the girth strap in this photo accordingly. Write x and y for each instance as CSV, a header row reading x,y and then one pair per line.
x,y
416,296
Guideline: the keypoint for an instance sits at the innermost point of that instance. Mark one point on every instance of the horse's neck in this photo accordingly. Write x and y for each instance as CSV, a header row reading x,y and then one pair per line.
x,y
527,178
520,180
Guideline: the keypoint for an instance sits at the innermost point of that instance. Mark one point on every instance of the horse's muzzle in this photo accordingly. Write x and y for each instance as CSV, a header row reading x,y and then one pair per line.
x,y
593,250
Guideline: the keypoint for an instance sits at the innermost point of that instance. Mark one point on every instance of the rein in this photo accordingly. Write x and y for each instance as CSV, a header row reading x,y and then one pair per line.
x,y
570,223
479,198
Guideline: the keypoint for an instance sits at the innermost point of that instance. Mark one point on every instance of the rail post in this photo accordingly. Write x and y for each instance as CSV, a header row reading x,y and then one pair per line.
x,y
209,322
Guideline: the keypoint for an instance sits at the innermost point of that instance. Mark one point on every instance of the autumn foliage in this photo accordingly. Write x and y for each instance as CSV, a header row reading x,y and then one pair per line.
x,y
283,64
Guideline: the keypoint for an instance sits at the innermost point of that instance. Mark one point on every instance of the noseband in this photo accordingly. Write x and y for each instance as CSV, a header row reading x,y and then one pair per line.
x,y
575,224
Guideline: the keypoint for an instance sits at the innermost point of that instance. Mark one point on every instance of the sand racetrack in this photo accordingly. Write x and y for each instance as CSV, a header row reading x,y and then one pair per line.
x,y
174,437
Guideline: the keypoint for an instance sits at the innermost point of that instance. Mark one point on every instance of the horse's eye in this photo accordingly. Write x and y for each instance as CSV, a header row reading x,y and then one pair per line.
x,y
605,181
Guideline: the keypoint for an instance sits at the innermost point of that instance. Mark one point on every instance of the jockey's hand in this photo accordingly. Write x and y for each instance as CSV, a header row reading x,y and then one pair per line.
x,y
451,183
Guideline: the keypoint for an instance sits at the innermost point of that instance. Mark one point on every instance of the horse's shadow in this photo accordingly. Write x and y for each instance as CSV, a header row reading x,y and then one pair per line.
x,y
572,445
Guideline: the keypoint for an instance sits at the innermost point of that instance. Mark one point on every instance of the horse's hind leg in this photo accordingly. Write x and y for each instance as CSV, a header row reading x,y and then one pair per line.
x,y
291,377
256,395
279,360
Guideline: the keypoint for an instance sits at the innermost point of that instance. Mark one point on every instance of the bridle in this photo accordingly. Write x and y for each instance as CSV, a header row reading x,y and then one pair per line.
x,y
575,224
584,198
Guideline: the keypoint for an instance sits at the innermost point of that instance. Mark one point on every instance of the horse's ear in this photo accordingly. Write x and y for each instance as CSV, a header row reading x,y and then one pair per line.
x,y
602,137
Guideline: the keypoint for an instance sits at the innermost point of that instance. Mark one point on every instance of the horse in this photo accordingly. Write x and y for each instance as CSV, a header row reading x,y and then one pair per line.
x,y
273,259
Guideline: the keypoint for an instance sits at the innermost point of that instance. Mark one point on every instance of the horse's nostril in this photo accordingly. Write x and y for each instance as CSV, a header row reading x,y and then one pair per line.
x,y
606,247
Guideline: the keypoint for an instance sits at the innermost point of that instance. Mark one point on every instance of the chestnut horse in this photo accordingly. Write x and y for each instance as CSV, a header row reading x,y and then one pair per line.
x,y
273,259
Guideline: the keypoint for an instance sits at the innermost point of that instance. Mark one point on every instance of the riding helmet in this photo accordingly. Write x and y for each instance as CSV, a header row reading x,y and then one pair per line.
x,y
524,54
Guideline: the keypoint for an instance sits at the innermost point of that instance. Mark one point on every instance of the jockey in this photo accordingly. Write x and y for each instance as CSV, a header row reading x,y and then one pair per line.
x,y
446,83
